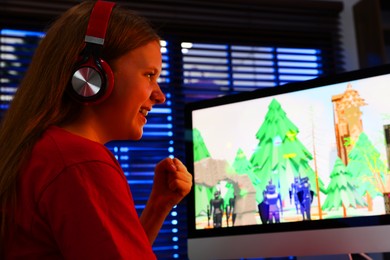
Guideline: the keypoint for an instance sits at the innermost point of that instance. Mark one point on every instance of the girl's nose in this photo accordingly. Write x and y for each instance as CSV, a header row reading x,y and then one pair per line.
x,y
158,96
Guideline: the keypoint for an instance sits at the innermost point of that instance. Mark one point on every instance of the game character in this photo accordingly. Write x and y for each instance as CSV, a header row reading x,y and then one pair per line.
x,y
269,208
272,198
294,189
216,209
305,196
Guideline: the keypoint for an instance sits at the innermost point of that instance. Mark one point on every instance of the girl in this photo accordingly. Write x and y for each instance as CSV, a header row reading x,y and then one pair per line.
x,y
93,79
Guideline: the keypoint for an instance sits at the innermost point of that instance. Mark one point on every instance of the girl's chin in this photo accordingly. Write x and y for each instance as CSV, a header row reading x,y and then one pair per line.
x,y
137,138
136,135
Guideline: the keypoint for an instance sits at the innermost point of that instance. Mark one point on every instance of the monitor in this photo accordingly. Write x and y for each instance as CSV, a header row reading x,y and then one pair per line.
x,y
296,170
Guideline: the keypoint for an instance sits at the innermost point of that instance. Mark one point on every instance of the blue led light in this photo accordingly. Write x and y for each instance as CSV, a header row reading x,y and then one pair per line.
x,y
125,165
298,50
159,134
169,126
124,149
134,182
160,110
21,33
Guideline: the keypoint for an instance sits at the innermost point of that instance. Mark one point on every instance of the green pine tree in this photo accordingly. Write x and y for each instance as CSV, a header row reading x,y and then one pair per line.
x,y
280,156
367,167
200,149
341,191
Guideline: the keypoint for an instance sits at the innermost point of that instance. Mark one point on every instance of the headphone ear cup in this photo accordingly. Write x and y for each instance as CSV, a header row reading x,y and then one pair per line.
x,y
92,82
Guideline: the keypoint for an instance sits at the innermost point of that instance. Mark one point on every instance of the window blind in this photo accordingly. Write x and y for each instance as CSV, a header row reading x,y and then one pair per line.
x,y
16,50
210,49
211,70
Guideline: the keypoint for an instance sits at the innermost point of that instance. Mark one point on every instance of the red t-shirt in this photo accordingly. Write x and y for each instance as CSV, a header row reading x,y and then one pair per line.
x,y
75,203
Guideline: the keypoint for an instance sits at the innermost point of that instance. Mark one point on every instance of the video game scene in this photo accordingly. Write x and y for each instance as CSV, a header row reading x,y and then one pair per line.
x,y
301,156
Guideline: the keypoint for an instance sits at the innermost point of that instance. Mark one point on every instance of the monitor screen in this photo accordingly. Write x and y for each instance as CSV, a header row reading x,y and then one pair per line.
x,y
300,169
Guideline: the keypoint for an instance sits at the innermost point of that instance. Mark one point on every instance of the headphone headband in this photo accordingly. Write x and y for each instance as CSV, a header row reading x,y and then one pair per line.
x,y
98,22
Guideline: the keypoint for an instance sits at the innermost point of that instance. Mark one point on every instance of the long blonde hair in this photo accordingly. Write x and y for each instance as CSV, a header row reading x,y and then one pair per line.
x,y
41,99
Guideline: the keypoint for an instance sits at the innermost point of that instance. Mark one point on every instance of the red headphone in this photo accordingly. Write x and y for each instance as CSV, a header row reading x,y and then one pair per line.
x,y
92,80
